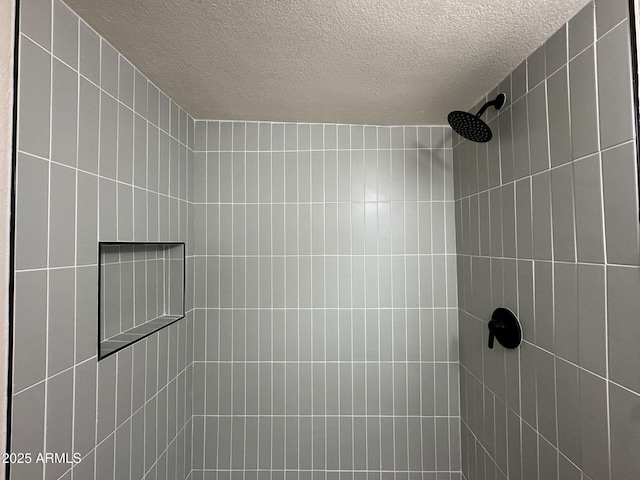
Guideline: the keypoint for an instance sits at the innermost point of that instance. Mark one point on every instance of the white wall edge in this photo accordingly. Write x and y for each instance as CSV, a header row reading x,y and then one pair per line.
x,y
7,38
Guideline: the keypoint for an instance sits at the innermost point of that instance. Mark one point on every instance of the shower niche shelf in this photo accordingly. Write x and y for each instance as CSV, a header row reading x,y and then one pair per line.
x,y
140,291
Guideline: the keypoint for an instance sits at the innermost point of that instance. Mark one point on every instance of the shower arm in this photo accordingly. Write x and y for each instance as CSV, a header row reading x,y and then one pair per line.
x,y
484,107
498,102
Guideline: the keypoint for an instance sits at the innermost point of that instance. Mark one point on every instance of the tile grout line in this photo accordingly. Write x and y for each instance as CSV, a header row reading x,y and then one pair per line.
x,y
205,315
75,287
48,275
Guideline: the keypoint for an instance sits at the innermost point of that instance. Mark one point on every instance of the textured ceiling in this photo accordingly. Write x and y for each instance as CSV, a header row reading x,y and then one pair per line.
x,y
387,62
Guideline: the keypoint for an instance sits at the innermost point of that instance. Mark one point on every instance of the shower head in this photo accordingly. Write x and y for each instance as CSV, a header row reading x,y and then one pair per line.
x,y
471,126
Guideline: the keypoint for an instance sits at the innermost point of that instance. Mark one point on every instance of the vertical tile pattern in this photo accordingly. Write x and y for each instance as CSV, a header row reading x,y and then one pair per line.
x,y
321,336
328,314
576,217
90,139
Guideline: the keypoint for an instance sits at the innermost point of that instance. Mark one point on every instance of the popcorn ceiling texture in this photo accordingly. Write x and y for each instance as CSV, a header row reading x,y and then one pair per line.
x,y
341,61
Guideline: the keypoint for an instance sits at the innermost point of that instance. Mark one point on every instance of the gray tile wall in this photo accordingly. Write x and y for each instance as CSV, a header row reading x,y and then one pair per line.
x,y
547,223
326,305
325,284
102,156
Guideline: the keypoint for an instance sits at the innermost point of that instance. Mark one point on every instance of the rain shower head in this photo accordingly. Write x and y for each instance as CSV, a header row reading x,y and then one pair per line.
x,y
471,126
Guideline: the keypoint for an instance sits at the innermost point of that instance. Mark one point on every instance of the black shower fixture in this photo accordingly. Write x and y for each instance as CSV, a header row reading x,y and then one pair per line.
x,y
471,126
505,327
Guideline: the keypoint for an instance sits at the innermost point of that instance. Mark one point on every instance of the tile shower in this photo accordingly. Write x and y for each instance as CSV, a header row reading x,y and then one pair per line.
x,y
339,278
325,293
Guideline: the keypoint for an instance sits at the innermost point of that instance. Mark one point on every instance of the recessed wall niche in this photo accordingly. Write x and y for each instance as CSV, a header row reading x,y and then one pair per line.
x,y
141,290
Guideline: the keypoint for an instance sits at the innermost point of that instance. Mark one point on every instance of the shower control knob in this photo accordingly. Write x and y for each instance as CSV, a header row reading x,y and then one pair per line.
x,y
505,327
